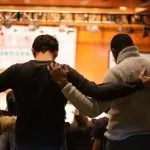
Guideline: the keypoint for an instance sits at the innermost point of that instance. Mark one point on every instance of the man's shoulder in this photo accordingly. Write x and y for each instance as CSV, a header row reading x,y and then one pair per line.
x,y
30,63
124,65
17,65
132,64
13,69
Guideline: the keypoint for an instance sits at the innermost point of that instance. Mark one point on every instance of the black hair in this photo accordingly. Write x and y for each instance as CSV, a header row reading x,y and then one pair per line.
x,y
119,42
11,103
43,43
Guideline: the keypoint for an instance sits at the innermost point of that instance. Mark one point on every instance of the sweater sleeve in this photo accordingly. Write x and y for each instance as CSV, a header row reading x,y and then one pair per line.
x,y
105,91
7,78
88,106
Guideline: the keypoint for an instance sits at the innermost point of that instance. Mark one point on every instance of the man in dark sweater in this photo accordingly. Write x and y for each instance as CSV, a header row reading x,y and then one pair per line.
x,y
40,103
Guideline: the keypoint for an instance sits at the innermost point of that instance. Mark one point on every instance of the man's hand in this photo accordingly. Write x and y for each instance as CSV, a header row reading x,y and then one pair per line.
x,y
59,74
145,79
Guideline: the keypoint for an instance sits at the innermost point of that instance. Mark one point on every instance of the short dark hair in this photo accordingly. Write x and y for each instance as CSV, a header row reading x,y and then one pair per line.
x,y
119,42
43,43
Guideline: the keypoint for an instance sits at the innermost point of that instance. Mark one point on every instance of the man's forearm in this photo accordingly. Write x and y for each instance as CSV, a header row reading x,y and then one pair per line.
x,y
90,107
103,92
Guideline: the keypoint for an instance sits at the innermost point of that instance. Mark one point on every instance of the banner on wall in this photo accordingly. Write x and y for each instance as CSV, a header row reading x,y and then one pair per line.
x,y
16,44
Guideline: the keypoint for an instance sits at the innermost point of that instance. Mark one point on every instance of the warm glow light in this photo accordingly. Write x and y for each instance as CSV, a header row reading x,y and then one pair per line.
x,y
123,8
83,2
140,9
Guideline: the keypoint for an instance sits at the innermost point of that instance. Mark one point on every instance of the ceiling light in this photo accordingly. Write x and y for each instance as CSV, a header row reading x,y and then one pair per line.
x,y
123,8
33,26
84,2
140,9
27,1
7,25
119,29
62,28
92,28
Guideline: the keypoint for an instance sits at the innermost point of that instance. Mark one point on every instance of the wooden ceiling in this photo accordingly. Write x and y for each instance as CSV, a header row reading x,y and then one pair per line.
x,y
104,5
77,6
79,3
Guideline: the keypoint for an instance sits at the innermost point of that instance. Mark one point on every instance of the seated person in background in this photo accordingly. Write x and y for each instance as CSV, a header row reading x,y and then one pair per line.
x,y
78,134
7,124
11,102
7,120
98,130
11,106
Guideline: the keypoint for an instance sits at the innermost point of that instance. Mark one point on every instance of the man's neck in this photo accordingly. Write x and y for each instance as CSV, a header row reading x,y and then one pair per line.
x,y
44,56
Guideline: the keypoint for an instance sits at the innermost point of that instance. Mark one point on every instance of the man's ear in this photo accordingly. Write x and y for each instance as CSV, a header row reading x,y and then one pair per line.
x,y
33,52
55,54
115,55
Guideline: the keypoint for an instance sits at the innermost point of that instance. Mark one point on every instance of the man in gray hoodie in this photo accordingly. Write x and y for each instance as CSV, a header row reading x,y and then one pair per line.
x,y
129,123
129,118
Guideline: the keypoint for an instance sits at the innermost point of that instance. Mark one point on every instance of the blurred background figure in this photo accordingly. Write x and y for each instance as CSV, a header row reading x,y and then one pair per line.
x,y
7,123
7,126
79,133
11,103
97,133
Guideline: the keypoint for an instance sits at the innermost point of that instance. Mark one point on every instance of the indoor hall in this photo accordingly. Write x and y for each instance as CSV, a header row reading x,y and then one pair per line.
x,y
84,30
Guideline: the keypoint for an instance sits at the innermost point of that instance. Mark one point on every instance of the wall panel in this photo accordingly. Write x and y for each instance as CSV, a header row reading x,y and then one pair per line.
x,y
92,51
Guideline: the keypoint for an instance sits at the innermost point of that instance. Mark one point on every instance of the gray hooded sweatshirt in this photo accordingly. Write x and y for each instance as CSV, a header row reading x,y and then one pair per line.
x,y
129,115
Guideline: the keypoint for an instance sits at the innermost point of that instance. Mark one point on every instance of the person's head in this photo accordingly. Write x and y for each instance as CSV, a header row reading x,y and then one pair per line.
x,y
80,120
119,42
45,44
11,102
